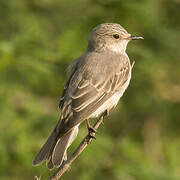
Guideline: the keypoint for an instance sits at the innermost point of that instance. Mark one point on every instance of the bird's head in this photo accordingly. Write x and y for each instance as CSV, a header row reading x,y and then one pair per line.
x,y
110,36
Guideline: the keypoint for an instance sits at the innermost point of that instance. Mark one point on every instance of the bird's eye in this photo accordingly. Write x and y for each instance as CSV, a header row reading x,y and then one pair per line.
x,y
116,36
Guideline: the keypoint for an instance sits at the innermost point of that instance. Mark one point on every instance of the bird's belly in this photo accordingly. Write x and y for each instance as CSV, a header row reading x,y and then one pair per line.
x,y
112,101
109,104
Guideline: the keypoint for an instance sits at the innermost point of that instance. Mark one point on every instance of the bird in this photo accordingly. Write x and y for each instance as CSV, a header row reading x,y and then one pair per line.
x,y
96,82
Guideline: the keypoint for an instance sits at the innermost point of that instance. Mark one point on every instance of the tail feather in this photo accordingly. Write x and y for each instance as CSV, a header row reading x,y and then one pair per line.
x,y
46,149
60,150
54,150
50,164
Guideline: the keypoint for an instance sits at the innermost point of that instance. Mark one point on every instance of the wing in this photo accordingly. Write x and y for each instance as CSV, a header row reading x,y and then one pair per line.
x,y
84,96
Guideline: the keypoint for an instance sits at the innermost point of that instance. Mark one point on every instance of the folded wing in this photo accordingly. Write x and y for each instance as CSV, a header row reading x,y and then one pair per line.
x,y
86,96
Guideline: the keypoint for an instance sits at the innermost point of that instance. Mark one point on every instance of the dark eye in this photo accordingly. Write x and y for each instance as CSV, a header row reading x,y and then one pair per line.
x,y
116,36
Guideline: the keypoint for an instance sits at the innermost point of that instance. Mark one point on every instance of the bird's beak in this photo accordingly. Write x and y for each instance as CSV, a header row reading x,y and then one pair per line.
x,y
135,37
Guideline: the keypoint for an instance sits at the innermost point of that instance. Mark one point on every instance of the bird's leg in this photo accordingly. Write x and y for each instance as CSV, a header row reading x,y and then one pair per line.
x,y
91,130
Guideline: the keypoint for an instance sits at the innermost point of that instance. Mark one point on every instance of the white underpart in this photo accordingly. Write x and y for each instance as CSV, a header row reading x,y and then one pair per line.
x,y
71,139
111,102
73,135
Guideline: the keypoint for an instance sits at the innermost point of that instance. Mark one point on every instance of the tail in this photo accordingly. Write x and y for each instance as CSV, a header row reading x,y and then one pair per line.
x,y
54,150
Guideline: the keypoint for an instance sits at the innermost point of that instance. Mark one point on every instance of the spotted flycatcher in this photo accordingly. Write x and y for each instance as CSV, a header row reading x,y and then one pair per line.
x,y
96,82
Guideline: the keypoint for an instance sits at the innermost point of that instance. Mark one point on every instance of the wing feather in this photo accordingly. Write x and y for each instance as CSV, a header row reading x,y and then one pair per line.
x,y
89,94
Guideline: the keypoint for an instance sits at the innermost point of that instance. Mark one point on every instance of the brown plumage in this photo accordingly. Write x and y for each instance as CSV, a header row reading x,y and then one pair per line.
x,y
96,81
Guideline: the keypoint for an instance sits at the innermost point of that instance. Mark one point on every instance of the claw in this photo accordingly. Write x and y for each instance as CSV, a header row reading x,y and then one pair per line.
x,y
91,129
92,136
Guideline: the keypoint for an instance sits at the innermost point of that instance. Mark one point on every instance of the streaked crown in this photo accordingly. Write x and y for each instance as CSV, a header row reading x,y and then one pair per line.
x,y
109,29
109,36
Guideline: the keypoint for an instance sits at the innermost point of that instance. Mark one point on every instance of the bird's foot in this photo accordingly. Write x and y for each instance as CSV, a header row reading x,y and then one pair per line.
x,y
92,135
92,131
90,128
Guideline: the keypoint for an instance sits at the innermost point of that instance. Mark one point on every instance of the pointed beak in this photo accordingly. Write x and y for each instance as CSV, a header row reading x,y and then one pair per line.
x,y
135,37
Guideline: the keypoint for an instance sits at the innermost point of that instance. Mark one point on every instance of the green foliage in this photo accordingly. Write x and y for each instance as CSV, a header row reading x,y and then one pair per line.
x,y
38,39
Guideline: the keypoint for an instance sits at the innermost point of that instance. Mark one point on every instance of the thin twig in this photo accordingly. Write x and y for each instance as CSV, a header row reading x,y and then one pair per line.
x,y
66,165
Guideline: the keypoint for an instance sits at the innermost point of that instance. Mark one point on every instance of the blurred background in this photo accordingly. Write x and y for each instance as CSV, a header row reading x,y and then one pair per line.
x,y
140,140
